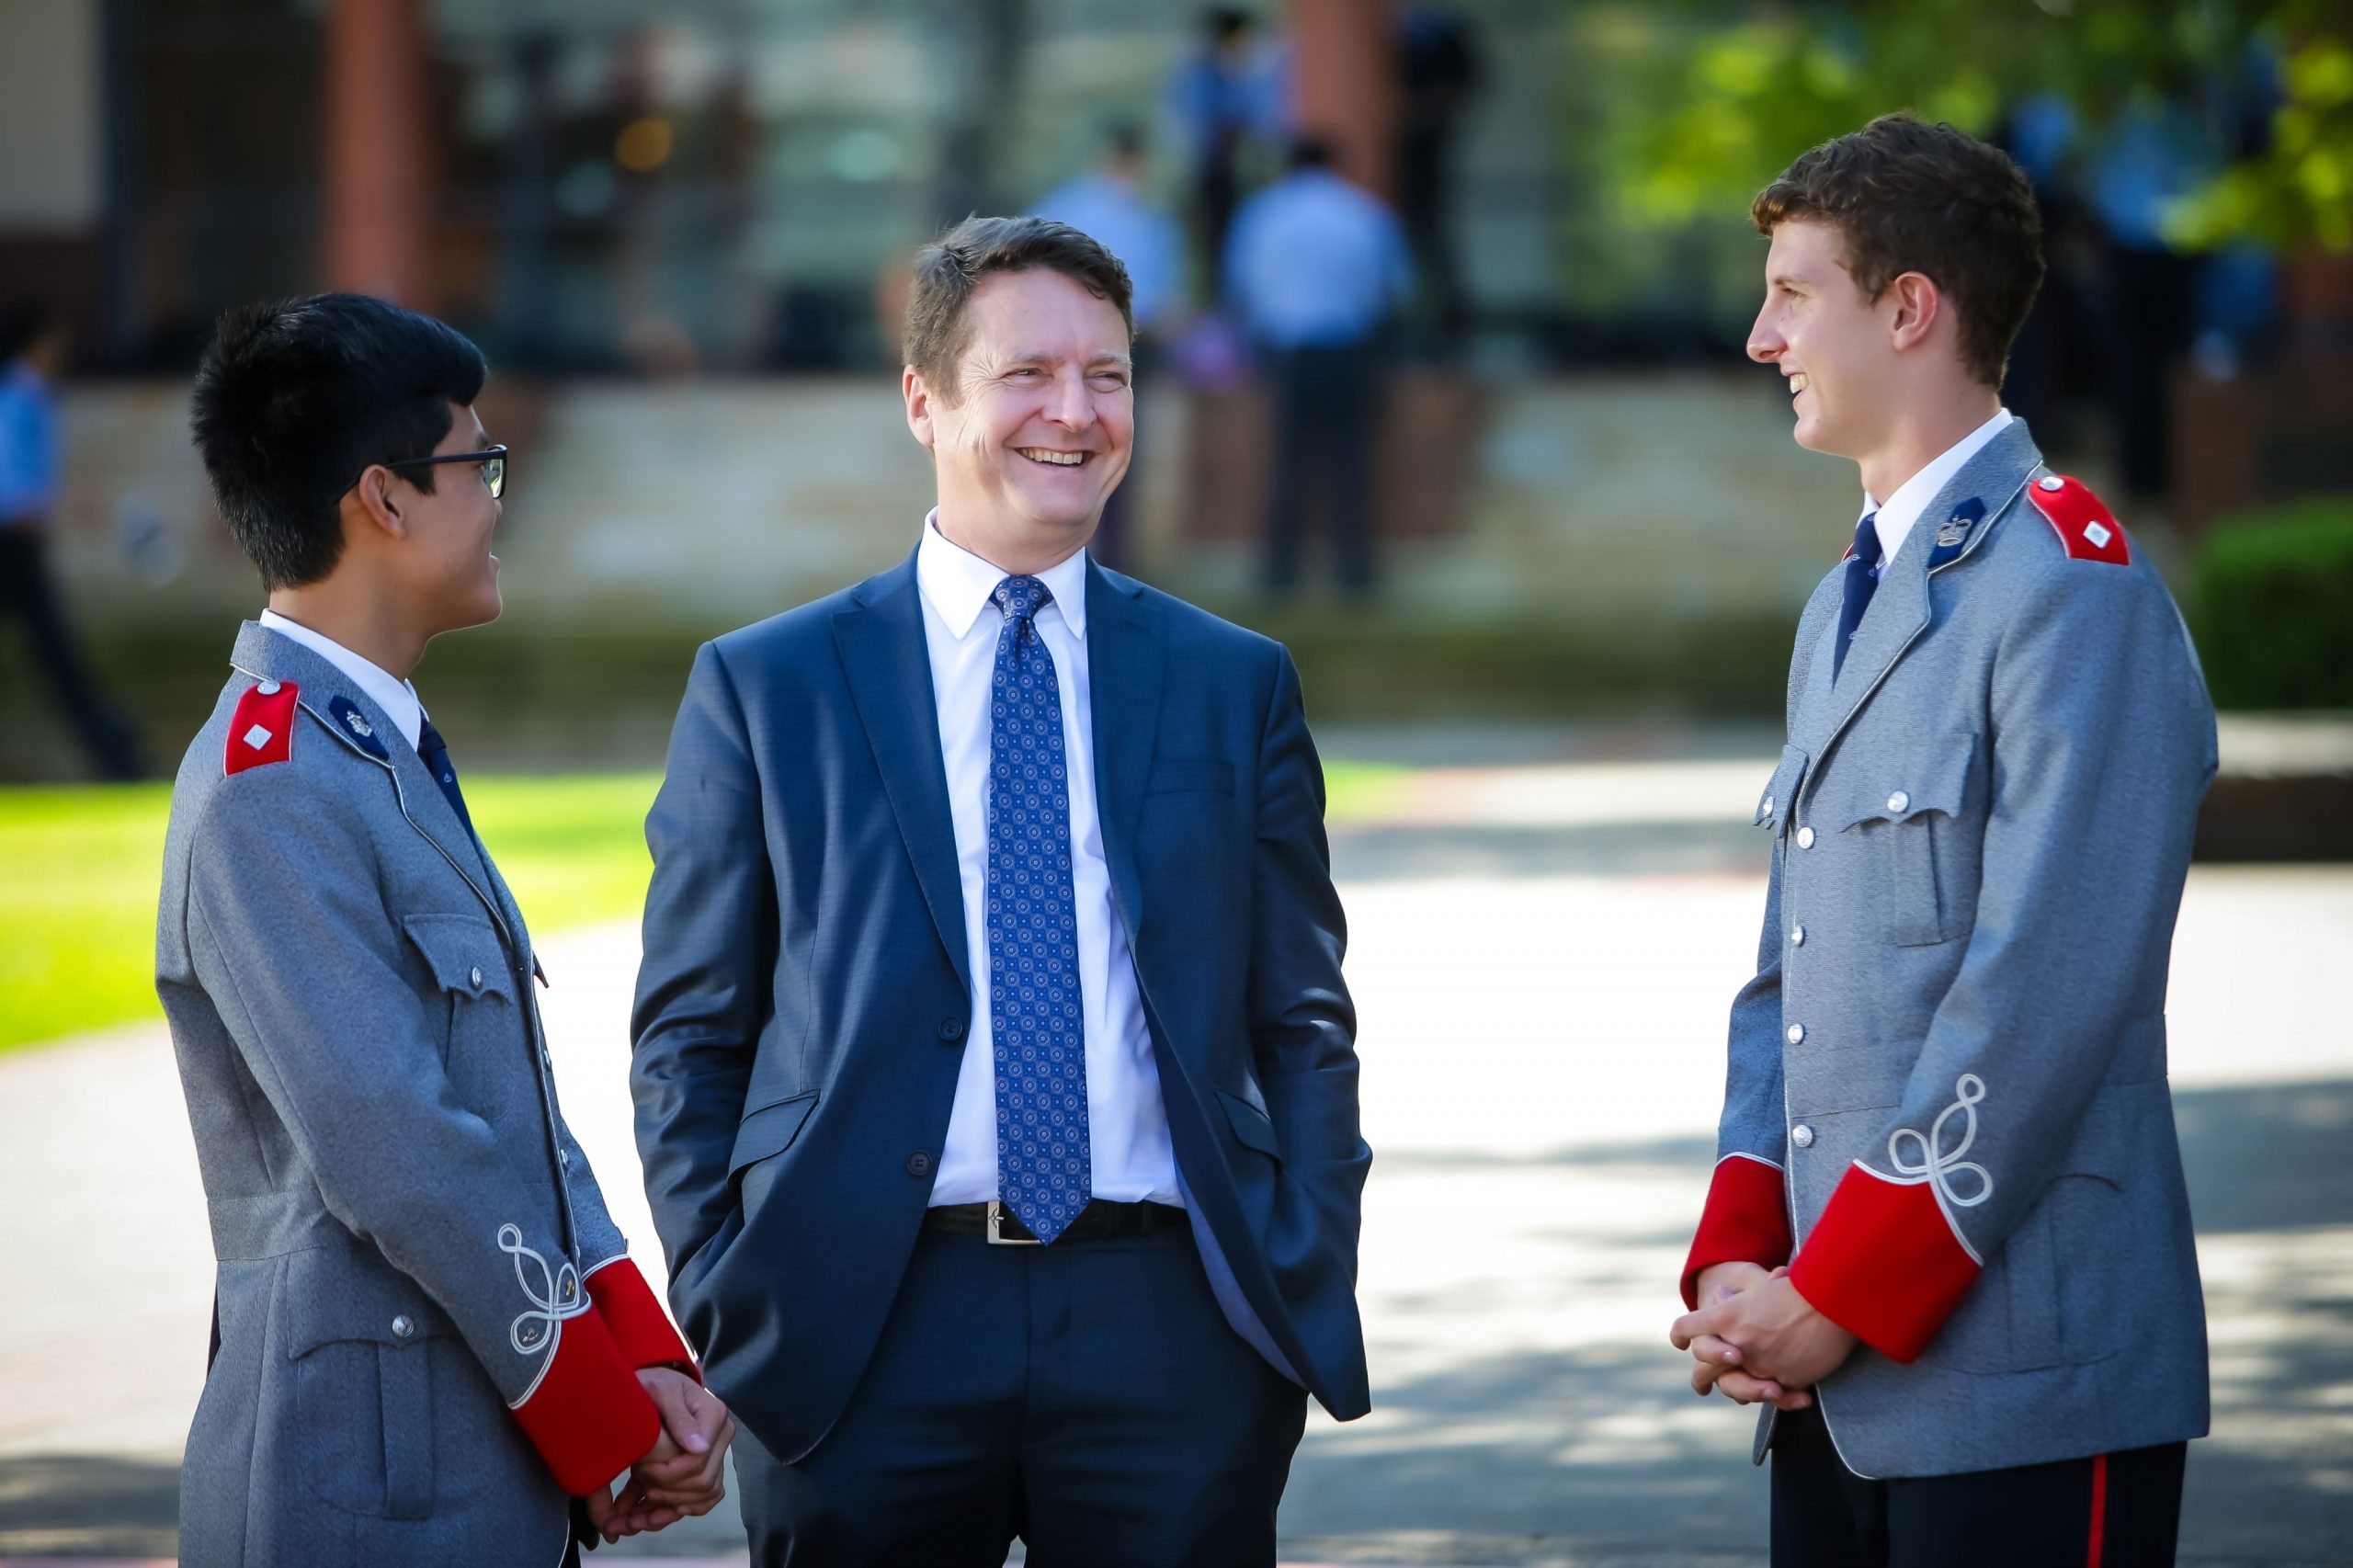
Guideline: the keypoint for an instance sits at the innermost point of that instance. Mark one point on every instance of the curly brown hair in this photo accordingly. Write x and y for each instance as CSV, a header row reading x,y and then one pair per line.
x,y
1909,197
951,267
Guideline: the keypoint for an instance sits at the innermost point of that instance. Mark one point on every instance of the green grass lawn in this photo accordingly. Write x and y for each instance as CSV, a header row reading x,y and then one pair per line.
x,y
79,868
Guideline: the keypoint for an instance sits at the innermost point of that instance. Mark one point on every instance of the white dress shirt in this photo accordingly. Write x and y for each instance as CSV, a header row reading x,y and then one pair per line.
x,y
396,697
1127,1126
1901,511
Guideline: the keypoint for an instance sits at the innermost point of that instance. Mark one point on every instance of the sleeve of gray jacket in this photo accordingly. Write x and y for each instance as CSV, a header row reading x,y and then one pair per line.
x,y
340,1042
702,989
2102,745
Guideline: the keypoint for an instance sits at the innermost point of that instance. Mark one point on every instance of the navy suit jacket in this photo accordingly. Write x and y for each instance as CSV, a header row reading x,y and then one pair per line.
x,y
801,1014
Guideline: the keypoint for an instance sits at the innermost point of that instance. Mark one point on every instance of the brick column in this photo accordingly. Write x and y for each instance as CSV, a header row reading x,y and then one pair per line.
x,y
379,164
1344,84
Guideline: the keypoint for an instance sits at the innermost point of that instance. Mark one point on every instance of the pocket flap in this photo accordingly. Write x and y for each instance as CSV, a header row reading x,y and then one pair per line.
x,y
332,1295
1781,790
1250,1125
769,1131
1897,788
1177,773
463,952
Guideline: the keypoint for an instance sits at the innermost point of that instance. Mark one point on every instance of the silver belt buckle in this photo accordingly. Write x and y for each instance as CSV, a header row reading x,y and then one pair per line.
x,y
997,1238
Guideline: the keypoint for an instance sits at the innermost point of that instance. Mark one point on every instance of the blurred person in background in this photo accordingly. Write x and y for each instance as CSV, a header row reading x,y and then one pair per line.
x,y
996,1076
1316,271
430,1346
1439,75
1107,203
1946,1240
1227,98
34,348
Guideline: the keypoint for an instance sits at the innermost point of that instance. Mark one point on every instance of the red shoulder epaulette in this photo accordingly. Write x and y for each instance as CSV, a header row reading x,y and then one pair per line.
x,y
2088,530
262,730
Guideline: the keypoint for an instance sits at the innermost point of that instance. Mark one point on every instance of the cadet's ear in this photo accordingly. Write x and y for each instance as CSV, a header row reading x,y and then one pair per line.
x,y
374,504
1919,303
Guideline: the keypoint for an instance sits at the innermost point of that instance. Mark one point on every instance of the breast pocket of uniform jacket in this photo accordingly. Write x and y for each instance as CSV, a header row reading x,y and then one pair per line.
x,y
477,991
1781,794
363,1408
1902,814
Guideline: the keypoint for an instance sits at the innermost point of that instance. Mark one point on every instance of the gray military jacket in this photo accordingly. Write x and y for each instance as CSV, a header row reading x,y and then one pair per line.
x,y
413,1365
1947,1087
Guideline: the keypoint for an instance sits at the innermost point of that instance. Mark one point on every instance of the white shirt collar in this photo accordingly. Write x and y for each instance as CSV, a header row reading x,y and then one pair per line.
x,y
1901,511
397,698
957,584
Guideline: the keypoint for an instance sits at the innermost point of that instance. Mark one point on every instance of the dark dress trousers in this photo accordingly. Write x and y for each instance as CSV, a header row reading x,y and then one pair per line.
x,y
914,1395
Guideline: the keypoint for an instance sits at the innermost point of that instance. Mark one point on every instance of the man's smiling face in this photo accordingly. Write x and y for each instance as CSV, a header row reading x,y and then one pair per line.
x,y
1831,343
1038,431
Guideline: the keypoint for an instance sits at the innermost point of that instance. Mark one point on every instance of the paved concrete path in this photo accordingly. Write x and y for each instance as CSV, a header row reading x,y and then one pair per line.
x,y
1542,953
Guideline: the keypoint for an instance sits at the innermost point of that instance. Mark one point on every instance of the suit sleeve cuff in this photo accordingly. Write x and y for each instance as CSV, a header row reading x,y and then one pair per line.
x,y
641,1329
1885,1263
1747,1220
587,1416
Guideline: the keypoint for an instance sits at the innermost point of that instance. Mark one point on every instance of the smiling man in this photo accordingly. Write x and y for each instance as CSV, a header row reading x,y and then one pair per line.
x,y
995,1078
1947,1237
428,1330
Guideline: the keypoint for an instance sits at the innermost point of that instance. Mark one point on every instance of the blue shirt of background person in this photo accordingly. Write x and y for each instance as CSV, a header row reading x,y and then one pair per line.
x,y
29,446
1108,204
1315,262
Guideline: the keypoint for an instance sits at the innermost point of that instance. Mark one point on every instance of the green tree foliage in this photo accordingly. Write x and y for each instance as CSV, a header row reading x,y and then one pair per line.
x,y
1725,95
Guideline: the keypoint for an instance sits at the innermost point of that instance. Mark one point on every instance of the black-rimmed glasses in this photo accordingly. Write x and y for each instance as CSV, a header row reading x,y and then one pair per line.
x,y
493,467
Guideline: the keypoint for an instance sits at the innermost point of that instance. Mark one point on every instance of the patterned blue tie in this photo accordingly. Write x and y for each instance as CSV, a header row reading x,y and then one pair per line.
x,y
1044,1167
1862,582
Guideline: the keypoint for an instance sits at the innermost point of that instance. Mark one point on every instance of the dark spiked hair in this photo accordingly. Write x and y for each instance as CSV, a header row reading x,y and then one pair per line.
x,y
295,398
1908,197
951,267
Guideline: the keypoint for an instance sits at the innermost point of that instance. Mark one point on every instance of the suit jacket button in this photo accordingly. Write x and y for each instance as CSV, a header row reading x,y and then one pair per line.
x,y
1899,802
1797,936
1802,1135
1805,839
951,1028
563,1158
918,1163
1797,1034
473,977
402,1327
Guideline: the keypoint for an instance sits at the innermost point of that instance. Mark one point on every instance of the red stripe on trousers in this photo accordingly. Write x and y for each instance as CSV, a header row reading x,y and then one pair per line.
x,y
2099,1509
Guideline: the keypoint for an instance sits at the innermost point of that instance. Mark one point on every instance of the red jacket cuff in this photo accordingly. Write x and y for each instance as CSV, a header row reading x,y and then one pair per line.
x,y
587,1416
1747,1220
641,1329
1885,1263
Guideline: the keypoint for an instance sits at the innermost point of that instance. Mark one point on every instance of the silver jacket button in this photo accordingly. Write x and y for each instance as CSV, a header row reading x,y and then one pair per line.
x,y
1802,1135
473,977
1805,839
1797,1034
2051,482
563,1158
402,1327
1767,809
1899,802
1797,936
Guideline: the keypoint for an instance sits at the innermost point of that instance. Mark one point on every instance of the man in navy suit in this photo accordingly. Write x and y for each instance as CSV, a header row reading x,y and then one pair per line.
x,y
995,1078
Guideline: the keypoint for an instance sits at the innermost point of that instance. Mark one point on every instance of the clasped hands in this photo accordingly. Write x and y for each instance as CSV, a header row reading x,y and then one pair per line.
x,y
1755,1339
685,1470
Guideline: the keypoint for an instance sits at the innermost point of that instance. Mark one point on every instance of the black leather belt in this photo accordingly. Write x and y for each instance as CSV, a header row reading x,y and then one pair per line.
x,y
1099,1221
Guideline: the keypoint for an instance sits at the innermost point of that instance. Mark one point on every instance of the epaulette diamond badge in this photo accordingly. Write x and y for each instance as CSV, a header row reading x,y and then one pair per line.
x,y
262,729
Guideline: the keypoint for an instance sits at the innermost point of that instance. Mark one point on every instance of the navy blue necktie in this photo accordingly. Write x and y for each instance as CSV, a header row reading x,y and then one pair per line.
x,y
1044,1165
434,754
1862,582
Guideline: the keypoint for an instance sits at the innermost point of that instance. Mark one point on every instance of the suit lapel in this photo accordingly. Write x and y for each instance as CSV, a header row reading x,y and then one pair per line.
x,y
1126,652
884,657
